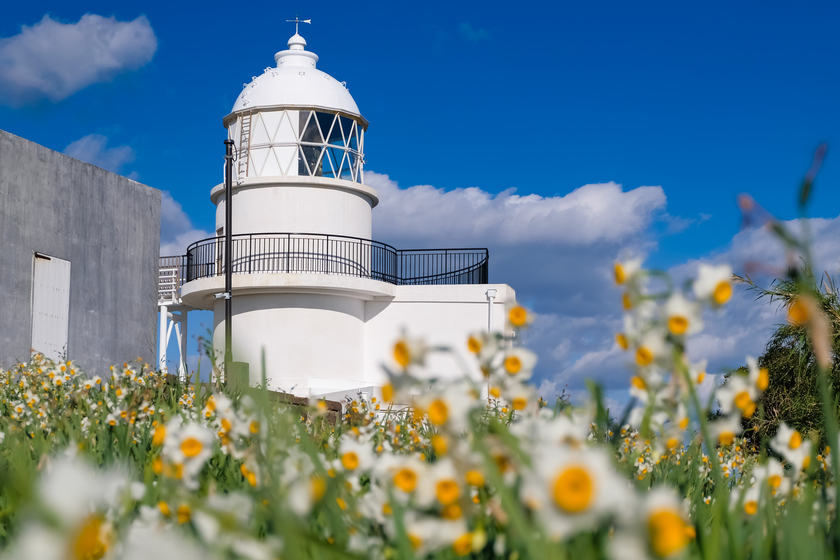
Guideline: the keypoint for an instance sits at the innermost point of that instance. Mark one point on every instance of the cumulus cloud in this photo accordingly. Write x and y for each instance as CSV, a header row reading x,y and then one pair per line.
x,y
53,60
176,228
592,214
94,149
472,34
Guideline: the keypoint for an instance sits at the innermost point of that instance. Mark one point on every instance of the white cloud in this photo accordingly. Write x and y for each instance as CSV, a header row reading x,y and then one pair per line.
x,y
597,213
54,60
93,149
176,228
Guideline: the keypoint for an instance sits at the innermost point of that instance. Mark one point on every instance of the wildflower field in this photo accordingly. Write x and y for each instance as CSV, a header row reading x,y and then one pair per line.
x,y
136,465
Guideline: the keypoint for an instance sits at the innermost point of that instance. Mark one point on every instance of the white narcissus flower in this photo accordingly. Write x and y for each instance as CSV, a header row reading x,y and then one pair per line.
x,y
517,316
440,486
517,362
789,443
725,430
409,350
430,534
573,491
627,272
714,284
186,447
682,317
448,406
738,394
759,377
355,455
653,349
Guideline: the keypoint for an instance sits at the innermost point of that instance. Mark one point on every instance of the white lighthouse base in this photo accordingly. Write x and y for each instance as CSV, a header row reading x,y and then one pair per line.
x,y
331,335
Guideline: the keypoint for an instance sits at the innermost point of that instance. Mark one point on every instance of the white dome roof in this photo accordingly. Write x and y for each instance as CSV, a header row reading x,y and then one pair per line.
x,y
296,82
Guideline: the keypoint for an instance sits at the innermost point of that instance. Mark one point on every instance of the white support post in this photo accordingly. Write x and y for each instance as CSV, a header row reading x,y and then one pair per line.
x,y
183,345
163,336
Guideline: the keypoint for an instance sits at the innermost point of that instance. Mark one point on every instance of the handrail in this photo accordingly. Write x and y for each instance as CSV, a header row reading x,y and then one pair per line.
x,y
284,252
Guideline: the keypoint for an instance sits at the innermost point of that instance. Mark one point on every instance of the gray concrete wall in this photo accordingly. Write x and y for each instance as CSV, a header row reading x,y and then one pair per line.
x,y
106,225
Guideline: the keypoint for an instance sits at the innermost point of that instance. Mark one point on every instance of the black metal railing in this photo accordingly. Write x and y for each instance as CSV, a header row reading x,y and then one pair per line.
x,y
336,254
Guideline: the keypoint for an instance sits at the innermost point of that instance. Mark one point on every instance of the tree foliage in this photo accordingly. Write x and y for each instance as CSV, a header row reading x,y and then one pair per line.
x,y
792,395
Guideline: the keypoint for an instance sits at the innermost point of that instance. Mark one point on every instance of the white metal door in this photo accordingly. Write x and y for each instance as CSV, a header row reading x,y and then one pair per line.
x,y
50,305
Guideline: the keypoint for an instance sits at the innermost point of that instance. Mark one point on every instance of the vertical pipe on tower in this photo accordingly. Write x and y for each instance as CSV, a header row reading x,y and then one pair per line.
x,y
228,251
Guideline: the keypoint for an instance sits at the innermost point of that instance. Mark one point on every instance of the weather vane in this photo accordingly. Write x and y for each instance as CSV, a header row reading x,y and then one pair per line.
x,y
298,21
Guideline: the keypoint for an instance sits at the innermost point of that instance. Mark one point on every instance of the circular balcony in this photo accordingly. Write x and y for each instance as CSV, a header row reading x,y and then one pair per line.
x,y
307,253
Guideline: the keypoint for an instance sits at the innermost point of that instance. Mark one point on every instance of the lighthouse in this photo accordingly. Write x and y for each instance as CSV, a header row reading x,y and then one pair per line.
x,y
312,292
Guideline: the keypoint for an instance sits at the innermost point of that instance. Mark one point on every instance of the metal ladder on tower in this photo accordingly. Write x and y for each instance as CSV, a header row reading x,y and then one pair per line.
x,y
244,144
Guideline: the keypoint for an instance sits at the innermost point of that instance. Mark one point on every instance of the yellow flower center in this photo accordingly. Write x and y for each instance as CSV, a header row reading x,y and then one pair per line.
x,y
183,513
513,365
405,480
160,434
388,392
438,412
191,447
672,443
226,425
401,354
678,324
474,345
341,503
573,489
254,428
742,400
439,444
463,544
763,379
668,532
638,382
475,478
700,377
495,392
684,423
519,403
644,356
751,507
621,340
774,481
89,544
620,275
726,438
164,508
415,541
447,491
722,293
795,440
626,302
350,461
518,316
452,511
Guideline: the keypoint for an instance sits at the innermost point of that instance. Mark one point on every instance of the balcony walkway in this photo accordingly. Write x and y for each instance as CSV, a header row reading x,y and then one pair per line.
x,y
322,254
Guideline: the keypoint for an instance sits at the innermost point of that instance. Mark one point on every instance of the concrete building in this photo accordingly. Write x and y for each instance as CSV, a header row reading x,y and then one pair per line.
x,y
78,259
311,290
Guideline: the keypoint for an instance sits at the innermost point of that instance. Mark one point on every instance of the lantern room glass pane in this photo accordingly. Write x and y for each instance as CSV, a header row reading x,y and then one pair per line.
x,y
309,126
309,161
347,128
326,122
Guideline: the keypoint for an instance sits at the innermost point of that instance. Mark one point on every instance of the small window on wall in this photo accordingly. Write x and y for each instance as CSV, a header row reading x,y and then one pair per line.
x,y
50,306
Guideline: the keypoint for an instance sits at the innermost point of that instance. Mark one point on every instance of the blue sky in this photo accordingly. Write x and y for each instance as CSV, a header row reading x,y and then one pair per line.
x,y
703,100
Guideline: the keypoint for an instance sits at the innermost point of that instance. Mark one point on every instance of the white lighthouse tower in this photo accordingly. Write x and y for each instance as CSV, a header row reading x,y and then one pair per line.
x,y
311,291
